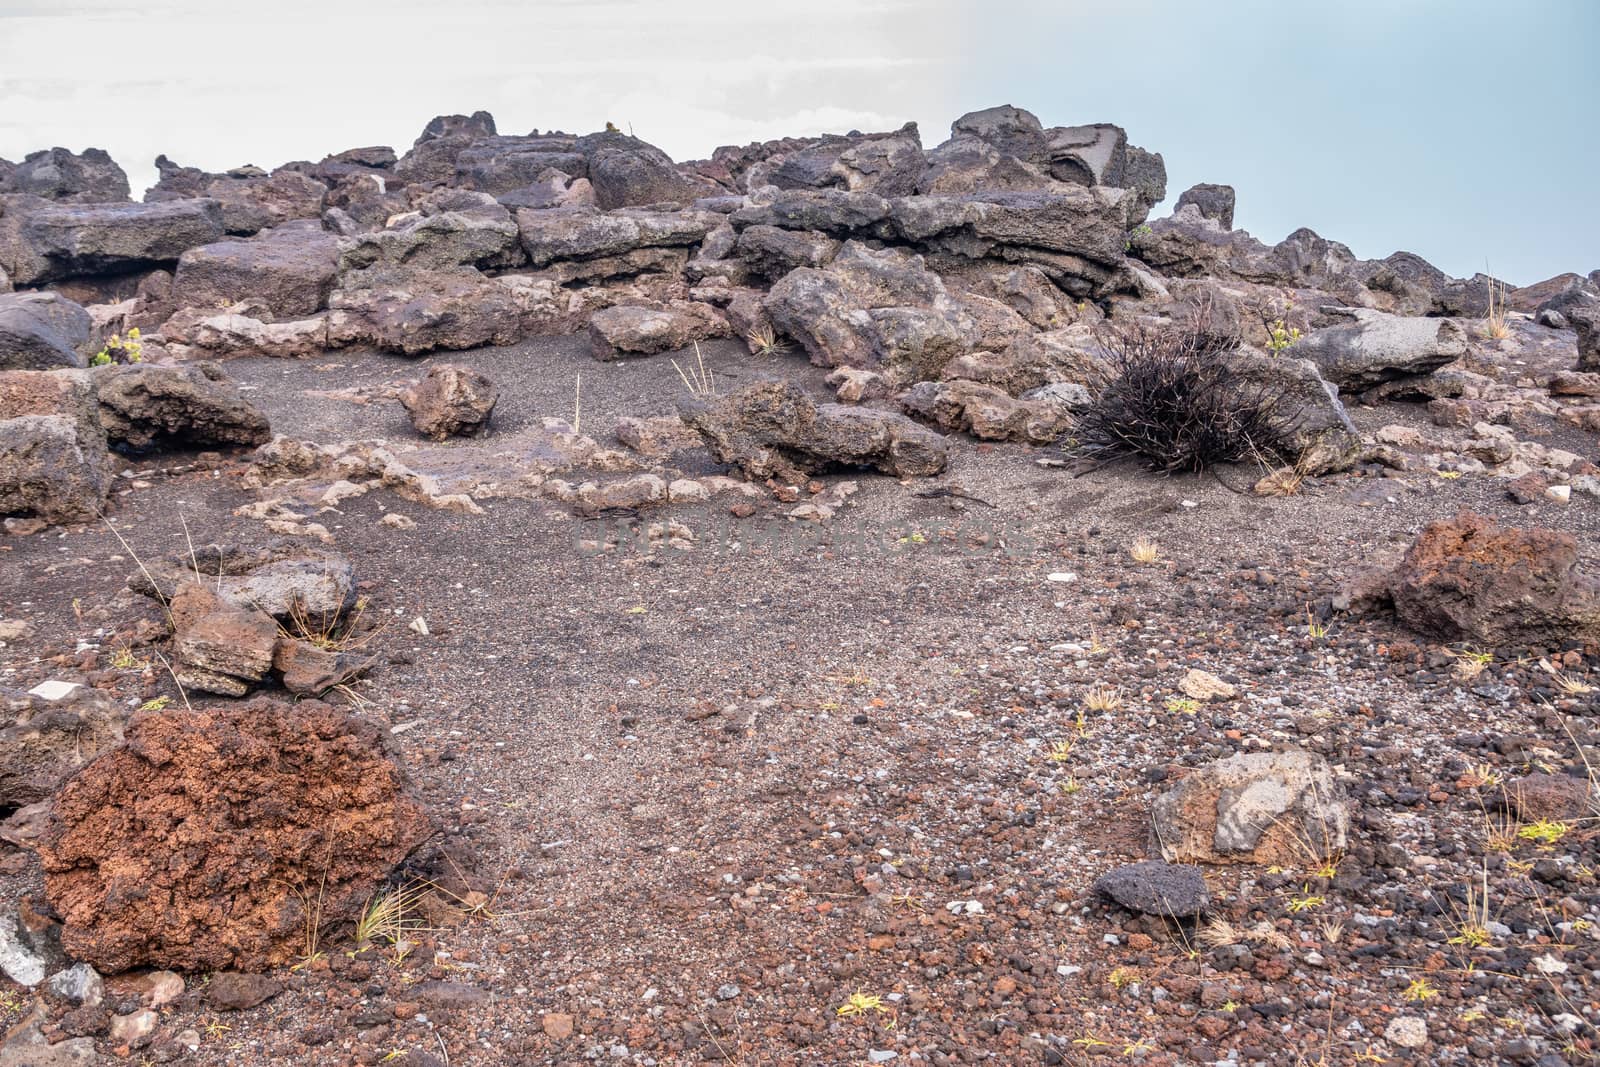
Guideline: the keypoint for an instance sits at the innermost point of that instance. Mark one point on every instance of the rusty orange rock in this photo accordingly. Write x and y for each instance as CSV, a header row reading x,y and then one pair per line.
x,y
221,838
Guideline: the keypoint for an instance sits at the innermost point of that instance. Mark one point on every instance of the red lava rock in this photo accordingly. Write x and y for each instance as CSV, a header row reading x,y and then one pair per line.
x,y
203,843
1470,577
1547,796
557,1025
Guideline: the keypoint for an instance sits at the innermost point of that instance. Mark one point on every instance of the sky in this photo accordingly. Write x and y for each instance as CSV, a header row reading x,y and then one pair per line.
x,y
1462,130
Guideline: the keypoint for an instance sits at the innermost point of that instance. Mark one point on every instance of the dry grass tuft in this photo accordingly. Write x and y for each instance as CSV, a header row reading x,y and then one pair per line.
x,y
1144,550
764,341
698,378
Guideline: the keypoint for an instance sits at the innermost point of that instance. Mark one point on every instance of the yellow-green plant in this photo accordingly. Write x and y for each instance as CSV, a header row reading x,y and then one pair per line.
x,y
1544,832
1281,336
1420,989
119,349
860,1004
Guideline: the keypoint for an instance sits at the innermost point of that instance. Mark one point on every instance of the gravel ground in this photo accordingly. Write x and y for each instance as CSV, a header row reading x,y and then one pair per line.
x,y
713,794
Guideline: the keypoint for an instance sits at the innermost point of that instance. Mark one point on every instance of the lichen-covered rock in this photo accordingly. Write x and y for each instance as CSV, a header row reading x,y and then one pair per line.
x,y
194,334
195,405
450,401
627,330
414,312
1281,808
1379,347
881,310
280,578
1469,577
43,742
774,429
1316,428
454,228
53,459
53,466
987,412
218,838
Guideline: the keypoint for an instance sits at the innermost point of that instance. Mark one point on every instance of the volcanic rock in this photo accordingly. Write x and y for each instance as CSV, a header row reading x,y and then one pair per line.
x,y
450,400
1280,808
216,838
1167,890
41,330
1469,577
142,405
285,273
43,742
774,429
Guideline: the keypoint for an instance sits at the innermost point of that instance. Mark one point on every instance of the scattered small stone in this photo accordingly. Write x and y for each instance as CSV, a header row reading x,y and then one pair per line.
x,y
1407,1031
1203,685
237,990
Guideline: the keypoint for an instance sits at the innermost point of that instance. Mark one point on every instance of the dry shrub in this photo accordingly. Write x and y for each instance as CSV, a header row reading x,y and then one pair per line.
x,y
1174,405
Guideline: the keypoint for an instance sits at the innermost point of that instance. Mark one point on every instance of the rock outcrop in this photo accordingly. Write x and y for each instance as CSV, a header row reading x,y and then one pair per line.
x,y
45,242
44,742
90,177
53,459
41,330
774,430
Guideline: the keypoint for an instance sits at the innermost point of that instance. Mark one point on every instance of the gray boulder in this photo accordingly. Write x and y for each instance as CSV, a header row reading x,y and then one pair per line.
x,y
41,330
274,578
774,430
432,158
43,742
48,469
53,459
498,165
1585,319
1167,890
988,412
251,201
1378,347
1316,427
626,330
586,234
42,242
839,212
881,310
61,175
455,228
286,273
889,164
769,252
143,405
